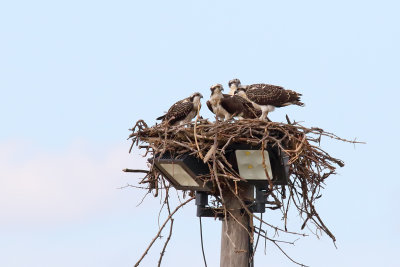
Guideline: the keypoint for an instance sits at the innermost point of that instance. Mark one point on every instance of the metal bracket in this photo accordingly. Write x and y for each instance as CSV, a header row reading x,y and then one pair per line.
x,y
258,206
260,201
201,203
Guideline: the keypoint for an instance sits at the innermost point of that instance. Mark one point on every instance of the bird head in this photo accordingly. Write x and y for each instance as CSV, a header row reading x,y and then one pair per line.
x,y
216,88
241,91
195,96
234,82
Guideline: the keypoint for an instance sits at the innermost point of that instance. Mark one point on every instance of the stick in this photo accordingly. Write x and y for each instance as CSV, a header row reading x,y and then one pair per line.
x,y
162,227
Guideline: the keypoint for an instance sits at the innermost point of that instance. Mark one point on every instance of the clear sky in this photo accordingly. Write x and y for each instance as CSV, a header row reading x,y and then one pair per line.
x,y
75,75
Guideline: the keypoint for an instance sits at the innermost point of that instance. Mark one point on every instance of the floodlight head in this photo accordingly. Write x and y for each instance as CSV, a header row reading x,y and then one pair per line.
x,y
182,171
249,162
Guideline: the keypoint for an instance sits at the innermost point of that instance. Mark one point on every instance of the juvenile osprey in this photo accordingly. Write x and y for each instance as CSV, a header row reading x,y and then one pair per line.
x,y
183,111
234,84
226,106
267,97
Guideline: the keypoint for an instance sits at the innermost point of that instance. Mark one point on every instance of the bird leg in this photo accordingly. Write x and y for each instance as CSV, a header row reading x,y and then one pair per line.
x,y
264,113
227,117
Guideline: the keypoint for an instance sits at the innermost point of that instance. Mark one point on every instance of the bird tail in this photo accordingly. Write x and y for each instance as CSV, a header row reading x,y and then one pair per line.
x,y
296,98
161,117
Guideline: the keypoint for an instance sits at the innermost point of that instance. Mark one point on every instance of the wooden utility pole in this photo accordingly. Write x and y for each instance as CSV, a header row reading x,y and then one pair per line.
x,y
235,238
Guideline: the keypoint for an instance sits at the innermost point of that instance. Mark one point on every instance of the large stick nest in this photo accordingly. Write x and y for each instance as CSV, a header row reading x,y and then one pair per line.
x,y
309,165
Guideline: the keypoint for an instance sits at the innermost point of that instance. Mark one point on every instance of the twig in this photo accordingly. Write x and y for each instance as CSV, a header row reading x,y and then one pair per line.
x,y
132,170
166,242
159,231
273,241
195,133
258,237
170,230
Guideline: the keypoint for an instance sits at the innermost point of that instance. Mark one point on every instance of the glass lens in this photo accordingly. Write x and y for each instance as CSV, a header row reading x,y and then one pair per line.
x,y
179,174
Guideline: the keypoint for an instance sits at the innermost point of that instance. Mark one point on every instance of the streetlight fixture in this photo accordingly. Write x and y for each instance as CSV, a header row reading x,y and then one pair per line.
x,y
249,162
183,171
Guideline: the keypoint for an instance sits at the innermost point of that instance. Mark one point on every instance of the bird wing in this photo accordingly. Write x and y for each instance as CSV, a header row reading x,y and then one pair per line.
x,y
264,86
249,112
171,108
177,111
209,106
267,94
232,104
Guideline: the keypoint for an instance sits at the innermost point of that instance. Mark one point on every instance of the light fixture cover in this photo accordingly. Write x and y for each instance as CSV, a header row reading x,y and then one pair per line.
x,y
250,164
247,161
182,171
181,176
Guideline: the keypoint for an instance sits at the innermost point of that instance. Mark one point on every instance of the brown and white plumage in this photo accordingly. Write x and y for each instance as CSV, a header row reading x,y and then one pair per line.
x,y
227,106
214,104
267,97
277,96
222,105
234,84
183,111
249,112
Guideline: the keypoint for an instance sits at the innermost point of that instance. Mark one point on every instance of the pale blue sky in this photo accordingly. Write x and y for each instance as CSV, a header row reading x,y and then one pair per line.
x,y
75,75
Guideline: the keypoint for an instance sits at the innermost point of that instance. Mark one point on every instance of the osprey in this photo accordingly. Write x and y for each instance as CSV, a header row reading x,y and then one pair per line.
x,y
267,97
234,84
249,112
227,106
183,111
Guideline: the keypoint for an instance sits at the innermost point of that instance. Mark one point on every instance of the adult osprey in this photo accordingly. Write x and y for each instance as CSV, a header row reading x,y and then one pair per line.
x,y
183,111
267,97
226,106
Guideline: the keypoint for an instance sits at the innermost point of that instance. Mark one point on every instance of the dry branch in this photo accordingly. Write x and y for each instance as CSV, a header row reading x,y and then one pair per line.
x,y
161,228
